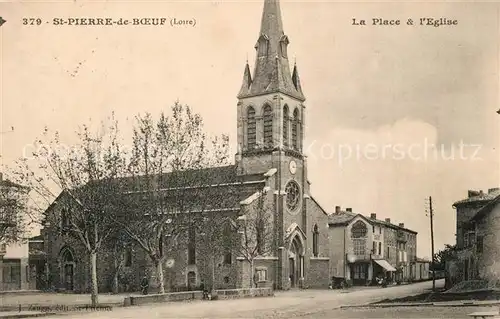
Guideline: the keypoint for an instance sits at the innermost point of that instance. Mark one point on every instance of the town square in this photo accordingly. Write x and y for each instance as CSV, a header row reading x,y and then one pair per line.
x,y
171,201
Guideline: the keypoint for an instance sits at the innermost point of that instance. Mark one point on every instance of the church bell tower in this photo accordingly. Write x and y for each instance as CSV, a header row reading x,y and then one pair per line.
x,y
271,117
271,104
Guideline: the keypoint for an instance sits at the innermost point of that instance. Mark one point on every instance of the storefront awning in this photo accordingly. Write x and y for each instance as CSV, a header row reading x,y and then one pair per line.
x,y
384,264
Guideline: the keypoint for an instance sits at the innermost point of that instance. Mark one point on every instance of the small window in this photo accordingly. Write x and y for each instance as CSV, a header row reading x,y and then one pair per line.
x,y
380,248
387,253
226,280
192,247
479,245
374,248
128,257
228,258
315,241
261,274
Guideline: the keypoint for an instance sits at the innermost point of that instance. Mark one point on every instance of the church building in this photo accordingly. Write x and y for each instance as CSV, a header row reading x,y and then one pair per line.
x,y
270,162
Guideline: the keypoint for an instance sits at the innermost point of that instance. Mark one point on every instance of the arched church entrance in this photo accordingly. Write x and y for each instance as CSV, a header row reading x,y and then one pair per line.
x,y
68,268
296,261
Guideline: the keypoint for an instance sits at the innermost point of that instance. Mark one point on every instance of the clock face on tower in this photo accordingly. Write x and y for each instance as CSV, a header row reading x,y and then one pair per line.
x,y
292,167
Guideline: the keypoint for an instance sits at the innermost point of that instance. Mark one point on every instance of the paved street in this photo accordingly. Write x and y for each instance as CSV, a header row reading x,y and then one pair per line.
x,y
305,304
401,312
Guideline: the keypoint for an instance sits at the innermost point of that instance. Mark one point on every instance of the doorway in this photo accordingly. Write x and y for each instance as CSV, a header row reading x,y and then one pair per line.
x,y
295,261
68,270
68,276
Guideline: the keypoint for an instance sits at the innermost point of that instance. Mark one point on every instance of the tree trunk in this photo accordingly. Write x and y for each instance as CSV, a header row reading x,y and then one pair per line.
x,y
213,272
116,288
252,283
93,273
159,273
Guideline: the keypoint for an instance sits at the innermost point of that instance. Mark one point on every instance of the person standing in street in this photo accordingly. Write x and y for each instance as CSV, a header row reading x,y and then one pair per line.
x,y
145,285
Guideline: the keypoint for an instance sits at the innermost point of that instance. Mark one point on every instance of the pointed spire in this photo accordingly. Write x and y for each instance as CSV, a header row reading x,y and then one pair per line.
x,y
271,24
247,81
272,70
296,78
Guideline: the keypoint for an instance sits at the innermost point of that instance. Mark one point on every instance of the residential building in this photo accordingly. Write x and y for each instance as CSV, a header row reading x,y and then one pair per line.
x,y
16,273
470,224
477,239
364,247
38,262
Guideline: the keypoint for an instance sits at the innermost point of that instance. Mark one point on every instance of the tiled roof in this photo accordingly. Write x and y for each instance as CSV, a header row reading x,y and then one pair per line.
x,y
483,211
341,217
222,187
344,217
478,196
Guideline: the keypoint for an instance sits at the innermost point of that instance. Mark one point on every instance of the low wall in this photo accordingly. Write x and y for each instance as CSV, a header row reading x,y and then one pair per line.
x,y
167,297
245,293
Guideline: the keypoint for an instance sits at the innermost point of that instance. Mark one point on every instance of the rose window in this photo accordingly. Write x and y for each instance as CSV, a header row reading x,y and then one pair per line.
x,y
292,196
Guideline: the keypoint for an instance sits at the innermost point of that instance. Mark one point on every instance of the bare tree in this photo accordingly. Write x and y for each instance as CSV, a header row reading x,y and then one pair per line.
x,y
255,228
170,178
118,246
218,240
86,176
13,212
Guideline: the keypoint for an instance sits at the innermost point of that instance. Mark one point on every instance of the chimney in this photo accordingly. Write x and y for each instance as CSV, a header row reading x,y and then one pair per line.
x,y
349,210
402,225
493,190
481,193
373,216
388,220
1,176
472,193
337,209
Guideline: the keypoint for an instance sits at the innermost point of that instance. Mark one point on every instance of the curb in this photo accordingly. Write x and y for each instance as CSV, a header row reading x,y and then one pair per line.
x,y
20,292
423,304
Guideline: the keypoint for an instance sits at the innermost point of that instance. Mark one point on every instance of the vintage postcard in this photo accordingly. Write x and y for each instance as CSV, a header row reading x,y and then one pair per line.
x,y
257,158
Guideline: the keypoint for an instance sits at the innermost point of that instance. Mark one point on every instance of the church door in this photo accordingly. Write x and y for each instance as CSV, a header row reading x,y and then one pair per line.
x,y
68,269
295,254
68,276
292,272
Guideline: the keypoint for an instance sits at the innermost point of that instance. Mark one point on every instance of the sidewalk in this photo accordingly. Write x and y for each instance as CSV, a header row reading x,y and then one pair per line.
x,y
458,303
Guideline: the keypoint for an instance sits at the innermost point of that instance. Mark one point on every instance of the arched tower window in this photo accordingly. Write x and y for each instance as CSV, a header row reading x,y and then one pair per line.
x,y
315,241
295,129
251,128
268,126
286,116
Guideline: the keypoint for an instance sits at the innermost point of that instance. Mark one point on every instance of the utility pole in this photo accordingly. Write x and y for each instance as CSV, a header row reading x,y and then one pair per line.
x,y
431,215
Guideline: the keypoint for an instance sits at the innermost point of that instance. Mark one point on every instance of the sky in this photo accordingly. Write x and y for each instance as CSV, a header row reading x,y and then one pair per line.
x,y
395,114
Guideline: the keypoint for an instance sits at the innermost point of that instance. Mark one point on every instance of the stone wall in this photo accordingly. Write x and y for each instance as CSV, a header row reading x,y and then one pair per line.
x,y
244,293
337,253
489,259
319,274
